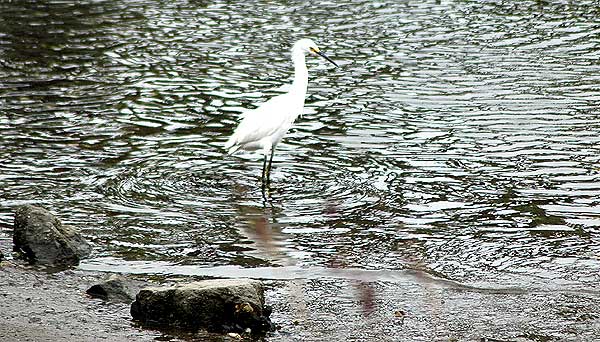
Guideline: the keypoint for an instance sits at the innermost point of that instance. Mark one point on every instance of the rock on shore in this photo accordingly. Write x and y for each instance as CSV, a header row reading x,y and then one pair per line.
x,y
219,305
42,239
114,289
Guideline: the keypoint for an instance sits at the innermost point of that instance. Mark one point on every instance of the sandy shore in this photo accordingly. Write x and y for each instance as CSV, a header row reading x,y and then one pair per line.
x,y
40,306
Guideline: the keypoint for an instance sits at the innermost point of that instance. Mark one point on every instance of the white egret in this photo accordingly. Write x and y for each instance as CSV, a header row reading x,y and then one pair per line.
x,y
264,127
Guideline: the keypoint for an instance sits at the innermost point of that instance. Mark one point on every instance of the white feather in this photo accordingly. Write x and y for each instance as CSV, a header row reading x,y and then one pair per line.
x,y
266,124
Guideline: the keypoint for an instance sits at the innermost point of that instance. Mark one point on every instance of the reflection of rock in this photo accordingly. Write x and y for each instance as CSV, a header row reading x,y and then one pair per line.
x,y
115,289
42,239
219,305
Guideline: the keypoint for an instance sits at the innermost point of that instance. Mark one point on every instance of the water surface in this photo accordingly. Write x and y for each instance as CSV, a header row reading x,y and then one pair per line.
x,y
457,138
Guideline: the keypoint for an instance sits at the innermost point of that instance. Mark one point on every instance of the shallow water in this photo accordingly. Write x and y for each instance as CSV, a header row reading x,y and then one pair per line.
x,y
459,139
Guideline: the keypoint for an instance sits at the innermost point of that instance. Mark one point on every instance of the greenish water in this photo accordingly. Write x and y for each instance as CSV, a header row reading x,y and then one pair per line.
x,y
457,138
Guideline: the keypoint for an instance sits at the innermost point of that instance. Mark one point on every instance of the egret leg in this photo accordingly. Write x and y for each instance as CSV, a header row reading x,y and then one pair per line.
x,y
270,163
264,170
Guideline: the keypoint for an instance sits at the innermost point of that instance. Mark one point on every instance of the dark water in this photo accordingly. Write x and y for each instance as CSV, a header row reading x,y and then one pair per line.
x,y
457,138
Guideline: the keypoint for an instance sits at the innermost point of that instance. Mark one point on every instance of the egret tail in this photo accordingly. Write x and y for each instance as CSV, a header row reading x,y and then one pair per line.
x,y
231,145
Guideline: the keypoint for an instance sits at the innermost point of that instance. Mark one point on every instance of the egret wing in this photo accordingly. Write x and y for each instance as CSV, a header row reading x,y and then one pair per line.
x,y
264,121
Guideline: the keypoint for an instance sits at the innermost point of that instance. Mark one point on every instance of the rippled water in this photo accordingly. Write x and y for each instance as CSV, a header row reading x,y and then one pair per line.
x,y
457,138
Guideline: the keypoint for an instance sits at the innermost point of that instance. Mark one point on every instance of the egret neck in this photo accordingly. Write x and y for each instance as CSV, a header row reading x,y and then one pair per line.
x,y
300,74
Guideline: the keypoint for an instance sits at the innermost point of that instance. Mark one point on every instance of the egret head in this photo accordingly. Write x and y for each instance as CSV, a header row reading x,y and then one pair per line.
x,y
308,47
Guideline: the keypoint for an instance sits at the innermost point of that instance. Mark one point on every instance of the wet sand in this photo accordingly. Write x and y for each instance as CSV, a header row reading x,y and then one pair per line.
x,y
40,306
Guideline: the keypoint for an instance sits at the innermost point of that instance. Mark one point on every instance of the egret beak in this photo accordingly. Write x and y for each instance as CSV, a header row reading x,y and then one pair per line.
x,y
325,56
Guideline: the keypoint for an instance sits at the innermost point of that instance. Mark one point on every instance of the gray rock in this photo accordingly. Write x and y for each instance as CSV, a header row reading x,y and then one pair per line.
x,y
115,289
219,305
42,239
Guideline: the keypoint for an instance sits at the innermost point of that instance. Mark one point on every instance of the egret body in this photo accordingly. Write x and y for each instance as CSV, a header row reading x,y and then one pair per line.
x,y
264,127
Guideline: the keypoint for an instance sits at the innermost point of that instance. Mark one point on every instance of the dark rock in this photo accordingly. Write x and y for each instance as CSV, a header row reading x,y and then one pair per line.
x,y
42,239
115,289
219,305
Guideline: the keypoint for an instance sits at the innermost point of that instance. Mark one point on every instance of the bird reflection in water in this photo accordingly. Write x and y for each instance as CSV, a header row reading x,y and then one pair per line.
x,y
259,224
